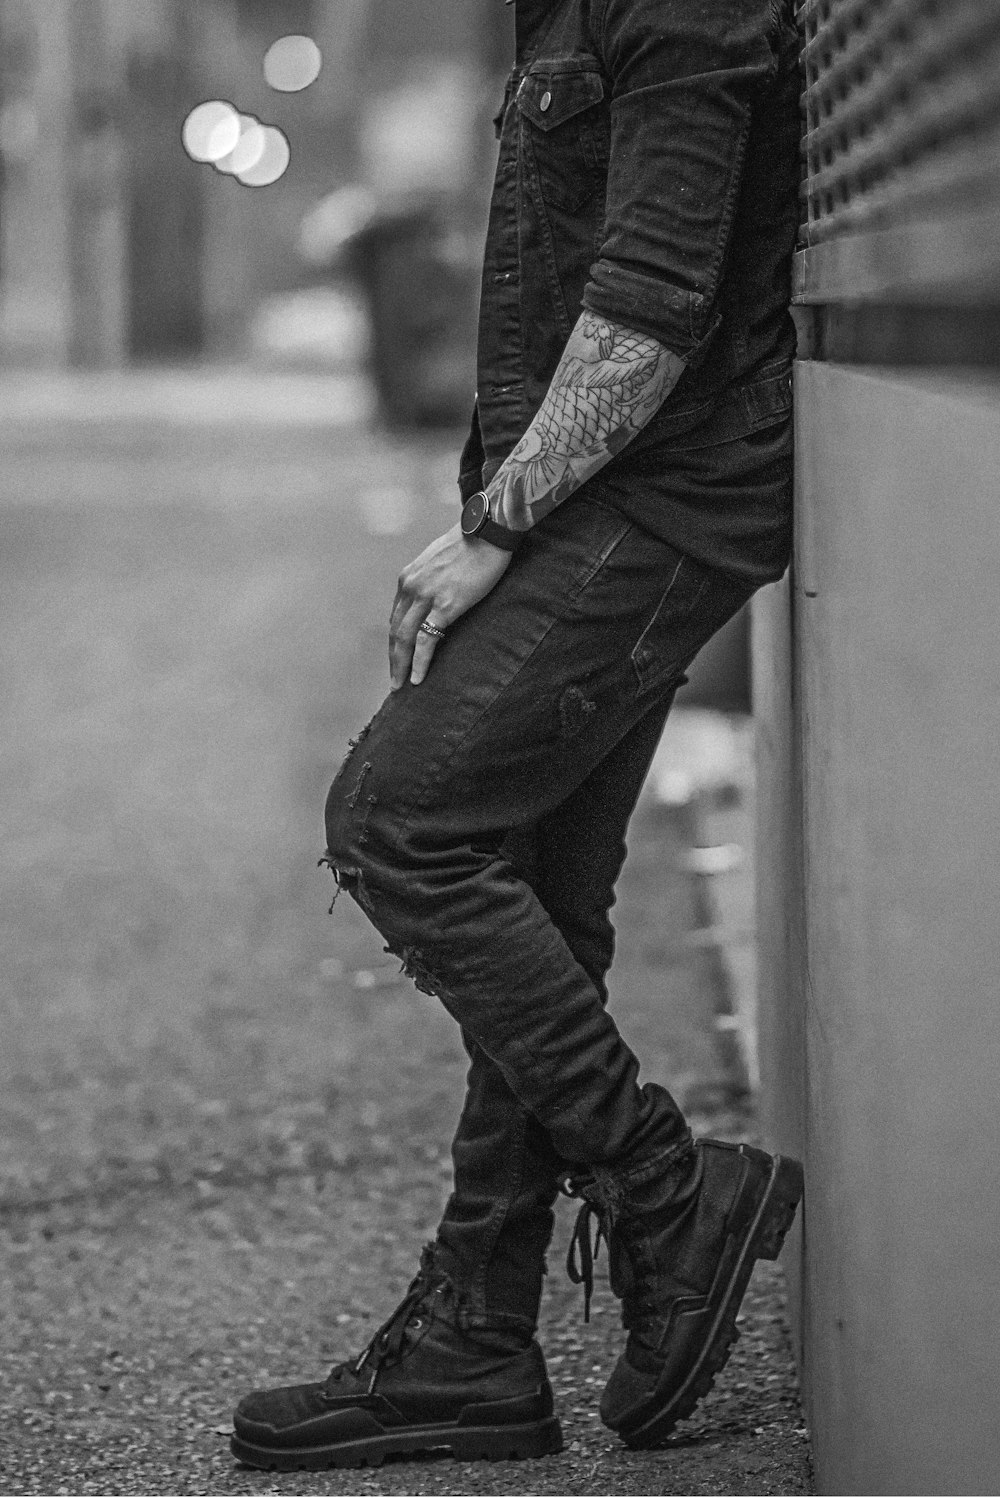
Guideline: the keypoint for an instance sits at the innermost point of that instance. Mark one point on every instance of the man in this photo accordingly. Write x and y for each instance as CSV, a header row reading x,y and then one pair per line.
x,y
627,486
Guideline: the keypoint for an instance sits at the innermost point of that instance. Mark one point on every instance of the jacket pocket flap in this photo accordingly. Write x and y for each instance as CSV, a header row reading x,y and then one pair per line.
x,y
549,99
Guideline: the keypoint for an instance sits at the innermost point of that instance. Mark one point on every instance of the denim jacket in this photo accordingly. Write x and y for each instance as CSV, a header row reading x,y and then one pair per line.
x,y
648,170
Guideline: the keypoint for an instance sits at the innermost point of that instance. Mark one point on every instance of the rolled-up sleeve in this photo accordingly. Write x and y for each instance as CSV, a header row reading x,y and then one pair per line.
x,y
685,75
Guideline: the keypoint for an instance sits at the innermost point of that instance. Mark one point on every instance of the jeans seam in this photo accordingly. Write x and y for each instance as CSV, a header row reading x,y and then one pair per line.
x,y
498,1217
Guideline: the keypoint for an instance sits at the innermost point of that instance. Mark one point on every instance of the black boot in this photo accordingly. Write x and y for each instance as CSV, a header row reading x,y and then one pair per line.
x,y
422,1384
682,1242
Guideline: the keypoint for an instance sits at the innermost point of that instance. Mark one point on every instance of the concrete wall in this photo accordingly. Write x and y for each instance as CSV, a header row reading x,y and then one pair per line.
x,y
877,682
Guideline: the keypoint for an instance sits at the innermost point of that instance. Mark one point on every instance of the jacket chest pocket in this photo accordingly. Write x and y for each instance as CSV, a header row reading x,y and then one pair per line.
x,y
565,132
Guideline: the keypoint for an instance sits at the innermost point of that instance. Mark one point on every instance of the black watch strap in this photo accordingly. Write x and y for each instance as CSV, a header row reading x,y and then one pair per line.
x,y
476,521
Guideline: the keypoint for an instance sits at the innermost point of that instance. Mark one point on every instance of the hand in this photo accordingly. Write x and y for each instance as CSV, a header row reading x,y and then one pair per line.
x,y
443,583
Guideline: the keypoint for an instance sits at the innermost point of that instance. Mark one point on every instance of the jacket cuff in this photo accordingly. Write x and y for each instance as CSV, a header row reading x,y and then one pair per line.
x,y
650,305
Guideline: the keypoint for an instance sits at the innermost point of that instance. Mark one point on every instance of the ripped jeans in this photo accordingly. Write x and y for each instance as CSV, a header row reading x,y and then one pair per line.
x,y
480,822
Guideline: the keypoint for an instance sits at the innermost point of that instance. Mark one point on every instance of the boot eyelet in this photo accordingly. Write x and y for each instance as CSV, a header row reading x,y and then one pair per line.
x,y
417,1323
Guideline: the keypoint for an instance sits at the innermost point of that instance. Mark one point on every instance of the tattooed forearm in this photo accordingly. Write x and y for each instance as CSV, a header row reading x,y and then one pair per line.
x,y
610,382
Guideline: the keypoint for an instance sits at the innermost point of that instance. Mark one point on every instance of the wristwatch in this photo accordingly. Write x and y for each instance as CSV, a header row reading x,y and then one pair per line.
x,y
476,522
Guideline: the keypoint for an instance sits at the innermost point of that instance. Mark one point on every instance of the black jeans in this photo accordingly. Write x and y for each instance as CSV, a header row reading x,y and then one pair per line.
x,y
479,821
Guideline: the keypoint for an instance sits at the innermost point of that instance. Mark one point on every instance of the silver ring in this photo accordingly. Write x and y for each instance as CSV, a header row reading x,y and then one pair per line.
x,y
432,629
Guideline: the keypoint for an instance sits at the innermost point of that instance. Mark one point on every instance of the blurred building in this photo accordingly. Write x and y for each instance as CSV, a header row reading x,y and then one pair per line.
x,y
877,689
114,246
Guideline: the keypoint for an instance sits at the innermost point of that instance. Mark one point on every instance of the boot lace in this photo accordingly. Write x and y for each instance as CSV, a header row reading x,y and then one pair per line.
x,y
386,1346
583,1250
596,1223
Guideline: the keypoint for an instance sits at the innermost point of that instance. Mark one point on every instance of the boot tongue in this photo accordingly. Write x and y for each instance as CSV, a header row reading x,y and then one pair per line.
x,y
606,1214
388,1342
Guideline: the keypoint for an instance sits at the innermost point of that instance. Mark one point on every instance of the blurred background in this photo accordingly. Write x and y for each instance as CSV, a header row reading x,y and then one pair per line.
x,y
115,251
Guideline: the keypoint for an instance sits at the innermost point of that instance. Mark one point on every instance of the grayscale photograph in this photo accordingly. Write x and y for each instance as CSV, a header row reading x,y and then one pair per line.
x,y
498,747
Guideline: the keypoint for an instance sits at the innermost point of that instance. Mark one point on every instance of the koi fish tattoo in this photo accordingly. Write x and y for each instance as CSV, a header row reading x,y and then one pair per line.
x,y
610,381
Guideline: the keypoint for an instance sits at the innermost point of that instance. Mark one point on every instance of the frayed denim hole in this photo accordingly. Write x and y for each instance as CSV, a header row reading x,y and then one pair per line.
x,y
350,880
575,712
413,965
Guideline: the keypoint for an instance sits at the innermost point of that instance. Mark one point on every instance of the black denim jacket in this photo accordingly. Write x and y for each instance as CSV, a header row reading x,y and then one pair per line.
x,y
648,170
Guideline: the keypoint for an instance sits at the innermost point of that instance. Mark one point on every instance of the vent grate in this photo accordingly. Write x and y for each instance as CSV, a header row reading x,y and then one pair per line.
x,y
902,109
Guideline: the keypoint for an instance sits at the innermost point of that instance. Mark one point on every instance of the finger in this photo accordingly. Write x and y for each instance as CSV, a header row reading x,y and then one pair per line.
x,y
406,599
403,601
402,639
424,647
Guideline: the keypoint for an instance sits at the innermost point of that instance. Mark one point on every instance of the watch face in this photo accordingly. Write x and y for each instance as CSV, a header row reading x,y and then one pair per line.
x,y
475,513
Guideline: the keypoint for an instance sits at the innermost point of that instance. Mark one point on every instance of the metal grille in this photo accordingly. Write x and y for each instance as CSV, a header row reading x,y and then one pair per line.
x,y
902,111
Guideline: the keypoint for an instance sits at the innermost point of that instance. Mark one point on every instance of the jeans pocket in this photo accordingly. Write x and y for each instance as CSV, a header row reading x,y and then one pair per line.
x,y
672,636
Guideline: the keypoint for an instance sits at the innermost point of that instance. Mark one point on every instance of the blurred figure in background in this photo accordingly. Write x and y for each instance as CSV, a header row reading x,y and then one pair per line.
x,y
626,487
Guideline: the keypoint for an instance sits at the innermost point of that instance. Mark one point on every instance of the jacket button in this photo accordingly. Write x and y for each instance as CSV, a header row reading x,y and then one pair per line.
x,y
545,101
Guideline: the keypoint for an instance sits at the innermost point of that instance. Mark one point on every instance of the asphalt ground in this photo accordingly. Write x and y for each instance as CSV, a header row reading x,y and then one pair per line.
x,y
224,1114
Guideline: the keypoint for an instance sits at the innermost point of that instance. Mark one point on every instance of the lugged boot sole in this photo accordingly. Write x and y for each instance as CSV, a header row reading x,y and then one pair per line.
x,y
491,1443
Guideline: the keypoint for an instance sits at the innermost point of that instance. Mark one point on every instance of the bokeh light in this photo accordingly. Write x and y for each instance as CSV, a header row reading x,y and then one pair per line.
x,y
292,63
211,130
273,162
249,149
